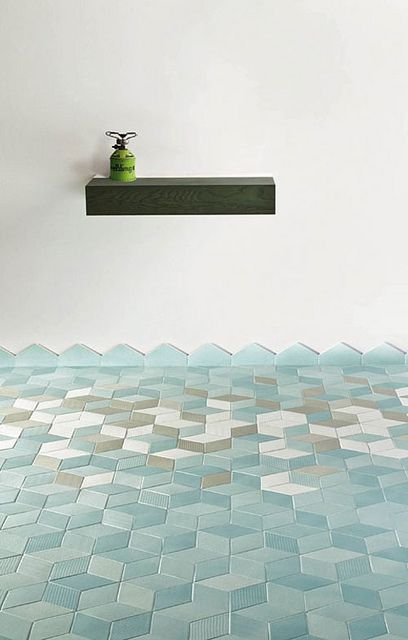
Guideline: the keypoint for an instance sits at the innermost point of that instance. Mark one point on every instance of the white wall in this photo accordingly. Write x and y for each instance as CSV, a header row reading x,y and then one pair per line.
x,y
313,92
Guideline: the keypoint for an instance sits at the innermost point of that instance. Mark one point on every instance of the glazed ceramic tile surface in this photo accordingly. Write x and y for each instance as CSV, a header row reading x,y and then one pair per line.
x,y
192,502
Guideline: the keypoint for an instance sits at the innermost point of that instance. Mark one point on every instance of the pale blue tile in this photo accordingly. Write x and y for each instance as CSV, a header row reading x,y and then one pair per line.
x,y
369,627
7,359
341,355
384,354
79,355
165,355
209,355
253,354
297,355
122,356
36,356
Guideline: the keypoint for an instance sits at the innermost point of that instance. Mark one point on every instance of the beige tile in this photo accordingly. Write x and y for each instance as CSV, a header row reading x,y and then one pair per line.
x,y
205,443
103,442
174,458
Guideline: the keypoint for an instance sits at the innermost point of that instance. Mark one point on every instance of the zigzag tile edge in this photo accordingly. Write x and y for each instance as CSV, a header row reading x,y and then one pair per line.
x,y
207,355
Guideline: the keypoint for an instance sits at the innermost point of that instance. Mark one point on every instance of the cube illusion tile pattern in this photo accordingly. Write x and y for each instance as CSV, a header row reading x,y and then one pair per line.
x,y
196,502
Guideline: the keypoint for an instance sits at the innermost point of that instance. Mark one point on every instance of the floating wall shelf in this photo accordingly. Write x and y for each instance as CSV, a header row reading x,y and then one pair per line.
x,y
180,196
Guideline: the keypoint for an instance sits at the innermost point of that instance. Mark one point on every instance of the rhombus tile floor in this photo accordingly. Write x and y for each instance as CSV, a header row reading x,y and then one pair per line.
x,y
192,503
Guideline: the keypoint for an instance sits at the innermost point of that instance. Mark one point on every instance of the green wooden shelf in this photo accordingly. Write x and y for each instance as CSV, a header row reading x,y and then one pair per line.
x,y
180,196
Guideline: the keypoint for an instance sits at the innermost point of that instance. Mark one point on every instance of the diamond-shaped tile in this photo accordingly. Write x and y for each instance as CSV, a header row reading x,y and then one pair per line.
x,y
209,355
79,355
253,354
296,356
122,356
36,356
341,355
166,355
7,359
384,354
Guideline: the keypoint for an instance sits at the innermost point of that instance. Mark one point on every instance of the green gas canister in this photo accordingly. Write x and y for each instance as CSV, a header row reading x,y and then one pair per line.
x,y
122,161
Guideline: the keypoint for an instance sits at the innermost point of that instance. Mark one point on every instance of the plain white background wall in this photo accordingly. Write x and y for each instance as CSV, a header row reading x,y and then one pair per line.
x,y
313,92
